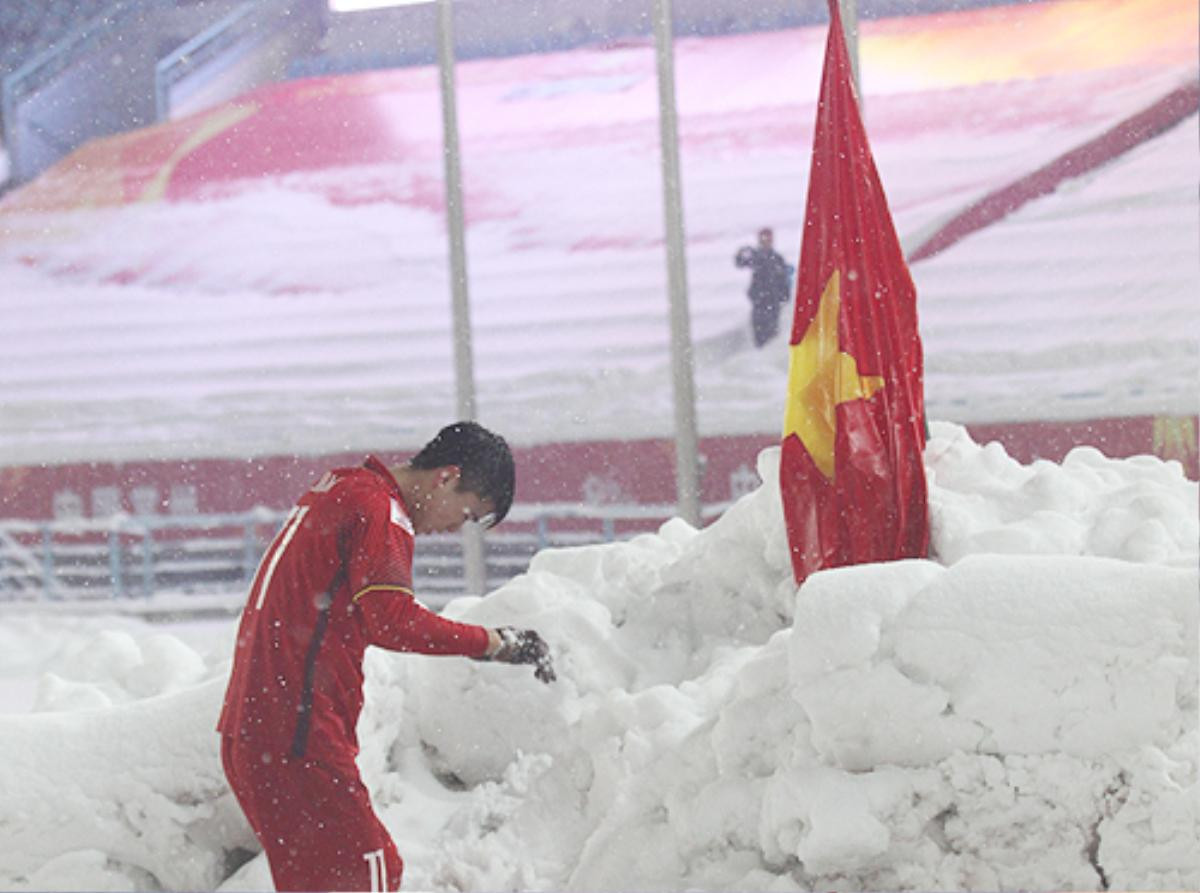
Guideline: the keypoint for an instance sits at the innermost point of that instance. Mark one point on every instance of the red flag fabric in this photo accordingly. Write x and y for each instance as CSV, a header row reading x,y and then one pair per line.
x,y
852,476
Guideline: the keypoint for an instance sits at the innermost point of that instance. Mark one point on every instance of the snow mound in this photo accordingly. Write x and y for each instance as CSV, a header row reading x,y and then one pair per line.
x,y
1008,717
1020,712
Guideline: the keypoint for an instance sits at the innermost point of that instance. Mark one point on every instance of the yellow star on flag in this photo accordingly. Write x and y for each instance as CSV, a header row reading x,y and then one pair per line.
x,y
820,376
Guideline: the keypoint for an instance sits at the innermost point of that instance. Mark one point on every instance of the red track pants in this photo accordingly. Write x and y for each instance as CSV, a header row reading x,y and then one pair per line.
x,y
314,821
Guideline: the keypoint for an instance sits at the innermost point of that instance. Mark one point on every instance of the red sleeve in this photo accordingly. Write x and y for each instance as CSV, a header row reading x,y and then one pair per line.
x,y
379,565
395,620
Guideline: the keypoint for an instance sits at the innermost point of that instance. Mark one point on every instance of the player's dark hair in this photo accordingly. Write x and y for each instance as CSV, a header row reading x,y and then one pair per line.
x,y
482,457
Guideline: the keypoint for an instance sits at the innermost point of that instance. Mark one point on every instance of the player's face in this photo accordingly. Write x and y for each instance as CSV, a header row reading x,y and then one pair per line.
x,y
448,508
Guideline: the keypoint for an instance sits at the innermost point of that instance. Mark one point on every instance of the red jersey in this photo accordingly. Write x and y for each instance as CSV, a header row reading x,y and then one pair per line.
x,y
337,578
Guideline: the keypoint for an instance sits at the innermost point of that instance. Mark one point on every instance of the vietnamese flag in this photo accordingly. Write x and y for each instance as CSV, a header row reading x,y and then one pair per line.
x,y
851,475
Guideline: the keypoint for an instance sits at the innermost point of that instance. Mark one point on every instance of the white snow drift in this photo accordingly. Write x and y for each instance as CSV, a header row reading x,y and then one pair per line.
x,y
1020,711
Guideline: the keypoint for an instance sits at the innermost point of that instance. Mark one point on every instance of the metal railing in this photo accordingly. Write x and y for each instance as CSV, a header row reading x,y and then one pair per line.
x,y
127,558
45,114
254,28
106,76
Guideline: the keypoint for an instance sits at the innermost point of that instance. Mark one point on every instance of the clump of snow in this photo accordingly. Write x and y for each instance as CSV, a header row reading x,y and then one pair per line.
x,y
1020,712
115,668
1137,509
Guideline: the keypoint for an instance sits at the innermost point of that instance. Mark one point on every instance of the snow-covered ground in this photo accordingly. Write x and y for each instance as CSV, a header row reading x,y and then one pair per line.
x,y
1018,712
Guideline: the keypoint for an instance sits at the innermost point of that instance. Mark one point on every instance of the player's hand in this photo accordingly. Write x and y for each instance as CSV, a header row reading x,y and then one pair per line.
x,y
524,646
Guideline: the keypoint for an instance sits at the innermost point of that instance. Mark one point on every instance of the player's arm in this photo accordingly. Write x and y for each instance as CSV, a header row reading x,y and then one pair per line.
x,y
376,543
379,564
397,621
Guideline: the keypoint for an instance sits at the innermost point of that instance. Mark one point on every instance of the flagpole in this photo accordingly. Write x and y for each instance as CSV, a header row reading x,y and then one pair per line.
x,y
474,575
687,461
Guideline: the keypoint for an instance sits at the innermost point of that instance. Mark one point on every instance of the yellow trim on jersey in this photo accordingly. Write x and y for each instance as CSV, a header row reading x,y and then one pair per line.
x,y
391,588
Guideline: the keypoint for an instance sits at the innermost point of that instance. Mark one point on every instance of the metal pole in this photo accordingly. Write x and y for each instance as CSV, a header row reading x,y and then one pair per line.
x,y
115,559
49,584
687,464
472,537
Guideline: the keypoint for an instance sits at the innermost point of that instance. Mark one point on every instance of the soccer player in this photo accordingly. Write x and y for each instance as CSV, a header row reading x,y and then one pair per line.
x,y
337,578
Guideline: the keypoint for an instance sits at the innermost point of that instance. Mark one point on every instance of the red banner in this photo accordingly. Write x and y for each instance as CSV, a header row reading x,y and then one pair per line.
x,y
852,477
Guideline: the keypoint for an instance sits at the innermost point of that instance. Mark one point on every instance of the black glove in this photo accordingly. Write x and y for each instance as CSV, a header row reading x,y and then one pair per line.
x,y
525,646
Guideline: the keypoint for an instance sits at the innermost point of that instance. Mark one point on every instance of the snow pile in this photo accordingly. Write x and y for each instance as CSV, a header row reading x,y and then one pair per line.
x,y
1022,720
114,782
984,501
989,721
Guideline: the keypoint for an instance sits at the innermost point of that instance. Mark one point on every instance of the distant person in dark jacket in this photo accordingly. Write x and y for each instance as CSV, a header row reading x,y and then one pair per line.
x,y
770,285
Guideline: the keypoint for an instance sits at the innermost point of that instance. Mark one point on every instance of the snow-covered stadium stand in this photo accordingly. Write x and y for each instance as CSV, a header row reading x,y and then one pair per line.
x,y
267,279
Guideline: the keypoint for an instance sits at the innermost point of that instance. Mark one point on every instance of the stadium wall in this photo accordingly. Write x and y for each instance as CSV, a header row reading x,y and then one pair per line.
x,y
589,472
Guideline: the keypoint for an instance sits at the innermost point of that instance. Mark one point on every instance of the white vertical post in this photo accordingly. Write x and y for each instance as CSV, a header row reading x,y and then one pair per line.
x,y
687,462
474,568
